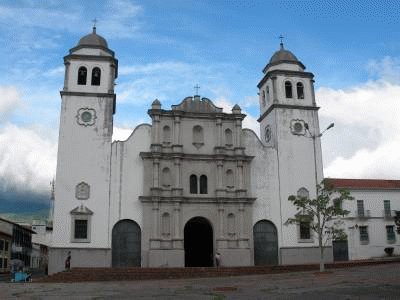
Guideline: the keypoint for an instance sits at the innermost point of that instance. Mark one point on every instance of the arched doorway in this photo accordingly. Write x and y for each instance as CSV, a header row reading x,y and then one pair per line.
x,y
265,243
198,243
126,244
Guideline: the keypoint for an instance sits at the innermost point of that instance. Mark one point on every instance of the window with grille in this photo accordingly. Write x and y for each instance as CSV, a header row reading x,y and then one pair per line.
x,y
81,227
305,233
390,234
360,208
386,207
364,234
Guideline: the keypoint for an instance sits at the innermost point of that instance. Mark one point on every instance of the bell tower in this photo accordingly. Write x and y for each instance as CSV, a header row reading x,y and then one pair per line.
x,y
84,149
288,120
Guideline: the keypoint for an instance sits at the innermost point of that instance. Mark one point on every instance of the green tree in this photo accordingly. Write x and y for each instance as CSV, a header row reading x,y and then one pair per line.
x,y
323,214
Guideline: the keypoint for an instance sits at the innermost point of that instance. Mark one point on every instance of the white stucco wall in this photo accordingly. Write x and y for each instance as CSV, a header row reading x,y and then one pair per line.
x,y
127,177
376,223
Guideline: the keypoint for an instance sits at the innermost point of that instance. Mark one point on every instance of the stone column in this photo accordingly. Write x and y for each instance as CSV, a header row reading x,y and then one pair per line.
x,y
156,211
66,75
156,172
219,130
221,220
220,165
177,133
111,78
241,220
274,90
156,129
240,183
177,221
177,163
312,92
238,133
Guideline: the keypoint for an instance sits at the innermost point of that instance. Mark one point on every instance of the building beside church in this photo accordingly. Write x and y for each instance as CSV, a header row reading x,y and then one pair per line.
x,y
369,226
192,183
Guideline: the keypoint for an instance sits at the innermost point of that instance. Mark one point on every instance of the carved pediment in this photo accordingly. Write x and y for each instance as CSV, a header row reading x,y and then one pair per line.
x,y
81,210
197,105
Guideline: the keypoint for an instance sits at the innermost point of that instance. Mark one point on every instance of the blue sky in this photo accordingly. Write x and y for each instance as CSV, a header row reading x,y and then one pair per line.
x,y
166,47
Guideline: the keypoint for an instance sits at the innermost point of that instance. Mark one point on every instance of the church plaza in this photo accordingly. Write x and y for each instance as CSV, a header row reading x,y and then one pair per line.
x,y
368,282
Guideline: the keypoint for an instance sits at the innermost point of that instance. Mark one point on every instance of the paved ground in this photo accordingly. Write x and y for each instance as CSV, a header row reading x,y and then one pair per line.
x,y
370,282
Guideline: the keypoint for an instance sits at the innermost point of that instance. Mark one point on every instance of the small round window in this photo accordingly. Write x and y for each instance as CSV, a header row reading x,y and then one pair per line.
x,y
298,127
86,116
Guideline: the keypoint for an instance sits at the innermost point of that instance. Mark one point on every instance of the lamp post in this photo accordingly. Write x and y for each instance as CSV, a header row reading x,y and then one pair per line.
x,y
314,137
318,214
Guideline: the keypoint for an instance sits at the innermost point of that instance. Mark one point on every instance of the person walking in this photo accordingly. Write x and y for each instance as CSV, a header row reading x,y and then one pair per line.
x,y
217,259
68,262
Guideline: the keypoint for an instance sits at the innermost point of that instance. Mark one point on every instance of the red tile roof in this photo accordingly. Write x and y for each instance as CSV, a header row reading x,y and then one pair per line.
x,y
364,183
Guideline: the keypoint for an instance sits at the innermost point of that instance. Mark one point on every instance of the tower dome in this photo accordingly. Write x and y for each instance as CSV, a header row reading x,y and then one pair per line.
x,y
283,56
93,39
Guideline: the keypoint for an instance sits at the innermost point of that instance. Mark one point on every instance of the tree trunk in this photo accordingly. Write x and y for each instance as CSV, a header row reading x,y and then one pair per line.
x,y
320,245
321,259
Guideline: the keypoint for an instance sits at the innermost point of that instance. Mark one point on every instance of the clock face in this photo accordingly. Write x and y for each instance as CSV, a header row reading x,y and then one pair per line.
x,y
268,133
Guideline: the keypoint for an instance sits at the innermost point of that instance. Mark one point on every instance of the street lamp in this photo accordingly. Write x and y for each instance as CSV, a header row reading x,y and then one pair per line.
x,y
313,137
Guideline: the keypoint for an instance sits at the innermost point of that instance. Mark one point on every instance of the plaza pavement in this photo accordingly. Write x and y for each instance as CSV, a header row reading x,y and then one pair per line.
x,y
366,282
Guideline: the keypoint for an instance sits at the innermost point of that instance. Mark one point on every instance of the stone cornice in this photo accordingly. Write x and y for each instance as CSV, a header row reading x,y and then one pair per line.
x,y
195,115
285,73
289,106
191,200
85,94
186,156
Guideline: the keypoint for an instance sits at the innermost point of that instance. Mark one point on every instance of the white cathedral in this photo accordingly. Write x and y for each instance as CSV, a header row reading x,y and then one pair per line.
x,y
189,185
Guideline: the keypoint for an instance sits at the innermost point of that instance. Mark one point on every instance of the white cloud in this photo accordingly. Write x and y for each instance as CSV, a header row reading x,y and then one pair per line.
x,y
365,140
27,160
121,134
141,84
249,121
10,100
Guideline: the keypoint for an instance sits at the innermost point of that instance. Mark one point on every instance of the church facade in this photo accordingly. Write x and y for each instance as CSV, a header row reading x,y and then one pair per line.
x,y
192,183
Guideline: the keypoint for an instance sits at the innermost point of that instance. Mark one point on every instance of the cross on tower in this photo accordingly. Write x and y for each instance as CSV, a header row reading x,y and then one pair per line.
x,y
94,22
196,87
281,37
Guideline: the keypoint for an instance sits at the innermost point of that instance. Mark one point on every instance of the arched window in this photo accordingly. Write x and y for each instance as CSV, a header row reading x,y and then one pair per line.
x,y
228,137
82,75
166,135
165,224
193,184
96,74
166,177
229,179
231,224
288,89
198,136
267,93
300,90
203,184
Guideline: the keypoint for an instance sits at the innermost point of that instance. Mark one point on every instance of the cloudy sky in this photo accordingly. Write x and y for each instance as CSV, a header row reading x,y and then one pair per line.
x,y
166,47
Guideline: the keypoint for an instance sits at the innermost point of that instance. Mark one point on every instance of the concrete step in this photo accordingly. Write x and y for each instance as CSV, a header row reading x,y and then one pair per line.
x,y
121,274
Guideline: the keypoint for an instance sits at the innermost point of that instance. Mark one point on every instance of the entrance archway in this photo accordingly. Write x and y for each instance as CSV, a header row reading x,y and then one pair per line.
x,y
265,243
126,244
198,243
